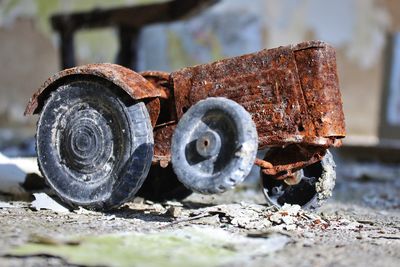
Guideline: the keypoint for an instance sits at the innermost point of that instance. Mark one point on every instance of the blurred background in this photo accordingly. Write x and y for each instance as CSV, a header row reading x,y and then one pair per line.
x,y
40,37
33,47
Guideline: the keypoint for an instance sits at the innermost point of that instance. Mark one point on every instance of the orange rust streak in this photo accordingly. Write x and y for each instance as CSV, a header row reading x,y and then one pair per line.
x,y
263,164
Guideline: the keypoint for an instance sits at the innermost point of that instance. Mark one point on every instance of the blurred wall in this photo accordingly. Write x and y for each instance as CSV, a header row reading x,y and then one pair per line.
x,y
357,28
27,57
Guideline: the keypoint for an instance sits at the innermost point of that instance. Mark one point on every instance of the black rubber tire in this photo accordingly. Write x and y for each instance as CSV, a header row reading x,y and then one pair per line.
x,y
315,186
162,184
94,148
229,149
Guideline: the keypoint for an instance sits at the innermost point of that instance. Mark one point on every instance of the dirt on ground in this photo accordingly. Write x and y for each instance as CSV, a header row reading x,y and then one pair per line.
x,y
360,226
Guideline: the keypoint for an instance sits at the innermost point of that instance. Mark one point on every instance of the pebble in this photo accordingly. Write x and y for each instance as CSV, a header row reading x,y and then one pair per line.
x,y
291,209
288,219
276,218
290,227
175,211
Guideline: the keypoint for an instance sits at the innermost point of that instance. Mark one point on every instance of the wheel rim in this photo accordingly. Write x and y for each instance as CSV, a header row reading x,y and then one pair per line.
x,y
214,145
84,148
207,150
82,140
89,147
306,192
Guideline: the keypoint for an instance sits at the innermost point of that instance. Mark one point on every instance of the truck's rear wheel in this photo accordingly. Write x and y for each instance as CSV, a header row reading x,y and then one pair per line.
x,y
94,149
315,185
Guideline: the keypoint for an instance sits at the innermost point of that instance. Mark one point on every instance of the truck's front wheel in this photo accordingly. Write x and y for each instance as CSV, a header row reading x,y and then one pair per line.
x,y
94,148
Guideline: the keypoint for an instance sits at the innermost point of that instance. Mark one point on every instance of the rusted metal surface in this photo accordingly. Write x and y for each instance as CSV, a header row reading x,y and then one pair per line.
x,y
153,107
131,82
270,87
160,80
285,161
316,66
291,92
162,143
263,164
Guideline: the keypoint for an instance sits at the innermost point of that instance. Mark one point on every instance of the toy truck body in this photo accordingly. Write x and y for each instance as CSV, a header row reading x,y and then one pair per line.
x,y
291,94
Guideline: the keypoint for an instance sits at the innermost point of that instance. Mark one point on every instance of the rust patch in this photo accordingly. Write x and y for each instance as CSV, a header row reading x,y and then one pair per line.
x,y
153,107
263,164
316,65
269,85
160,80
286,161
156,77
162,143
131,82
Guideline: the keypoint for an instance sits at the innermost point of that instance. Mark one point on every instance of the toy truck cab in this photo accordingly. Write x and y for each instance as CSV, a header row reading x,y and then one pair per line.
x,y
98,122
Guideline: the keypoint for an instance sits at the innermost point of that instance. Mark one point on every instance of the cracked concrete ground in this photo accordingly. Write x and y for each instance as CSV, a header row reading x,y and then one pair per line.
x,y
360,226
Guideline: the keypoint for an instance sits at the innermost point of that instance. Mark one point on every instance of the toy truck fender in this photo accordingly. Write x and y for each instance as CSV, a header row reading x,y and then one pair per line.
x,y
132,83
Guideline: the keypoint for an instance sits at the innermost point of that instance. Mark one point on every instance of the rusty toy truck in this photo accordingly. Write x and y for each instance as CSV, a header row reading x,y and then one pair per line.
x,y
104,128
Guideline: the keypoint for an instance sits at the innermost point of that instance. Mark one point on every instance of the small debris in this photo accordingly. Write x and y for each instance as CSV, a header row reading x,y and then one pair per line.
x,y
5,205
276,218
175,211
291,209
110,218
173,203
185,220
43,201
209,220
252,216
81,210
138,200
158,208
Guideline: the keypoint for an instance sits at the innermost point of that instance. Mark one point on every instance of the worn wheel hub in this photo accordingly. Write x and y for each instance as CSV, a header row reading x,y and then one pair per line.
x,y
208,144
84,148
214,146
